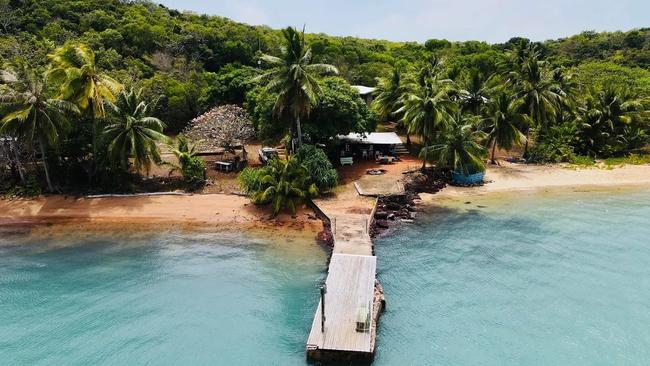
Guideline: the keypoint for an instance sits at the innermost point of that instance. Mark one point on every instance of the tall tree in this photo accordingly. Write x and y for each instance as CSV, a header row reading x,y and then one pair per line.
x,y
132,133
81,82
459,146
294,77
426,105
501,115
474,93
388,96
30,114
537,90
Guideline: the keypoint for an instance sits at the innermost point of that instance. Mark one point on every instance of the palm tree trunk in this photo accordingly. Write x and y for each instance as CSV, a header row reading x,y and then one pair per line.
x,y
19,168
408,139
424,156
494,147
526,145
41,142
299,131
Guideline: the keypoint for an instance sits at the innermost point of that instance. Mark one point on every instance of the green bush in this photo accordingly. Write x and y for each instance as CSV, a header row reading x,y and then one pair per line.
x,y
250,179
320,169
554,146
193,169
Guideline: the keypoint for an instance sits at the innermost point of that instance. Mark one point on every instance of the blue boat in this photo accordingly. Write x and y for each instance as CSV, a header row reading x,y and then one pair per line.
x,y
462,179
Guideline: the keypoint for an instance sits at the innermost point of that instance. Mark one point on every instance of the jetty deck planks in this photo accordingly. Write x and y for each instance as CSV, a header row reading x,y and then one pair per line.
x,y
350,286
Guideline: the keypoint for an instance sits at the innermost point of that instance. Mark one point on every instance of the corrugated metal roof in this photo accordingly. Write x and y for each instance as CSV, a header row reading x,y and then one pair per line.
x,y
375,138
364,90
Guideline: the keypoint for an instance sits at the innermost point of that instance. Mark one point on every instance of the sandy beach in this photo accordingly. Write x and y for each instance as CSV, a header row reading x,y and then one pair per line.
x,y
208,210
509,177
231,211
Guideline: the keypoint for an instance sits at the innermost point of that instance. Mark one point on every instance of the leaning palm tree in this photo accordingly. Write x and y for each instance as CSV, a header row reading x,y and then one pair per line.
x,y
426,106
459,147
30,114
502,117
81,82
284,184
294,78
132,133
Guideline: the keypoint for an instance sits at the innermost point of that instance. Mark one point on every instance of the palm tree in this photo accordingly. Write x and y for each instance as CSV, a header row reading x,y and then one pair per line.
x,y
30,114
82,83
565,88
294,77
539,94
475,92
459,146
426,105
604,119
285,184
502,114
133,133
388,96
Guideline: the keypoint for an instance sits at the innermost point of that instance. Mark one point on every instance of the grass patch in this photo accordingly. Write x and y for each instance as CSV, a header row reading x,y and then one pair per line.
x,y
609,163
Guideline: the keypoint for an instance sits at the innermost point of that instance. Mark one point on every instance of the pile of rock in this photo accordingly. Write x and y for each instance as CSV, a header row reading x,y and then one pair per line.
x,y
393,209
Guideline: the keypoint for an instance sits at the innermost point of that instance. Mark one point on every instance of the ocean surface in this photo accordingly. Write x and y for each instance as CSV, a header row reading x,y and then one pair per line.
x,y
520,279
524,279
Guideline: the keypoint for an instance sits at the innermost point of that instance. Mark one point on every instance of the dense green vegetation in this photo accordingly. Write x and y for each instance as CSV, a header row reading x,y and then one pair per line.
x,y
582,95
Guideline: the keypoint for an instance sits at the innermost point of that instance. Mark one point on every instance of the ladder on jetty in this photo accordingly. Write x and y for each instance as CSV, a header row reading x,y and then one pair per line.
x,y
348,332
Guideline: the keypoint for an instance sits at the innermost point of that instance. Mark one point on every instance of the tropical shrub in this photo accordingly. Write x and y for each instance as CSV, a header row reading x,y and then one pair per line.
x,y
250,179
191,166
555,145
282,184
320,168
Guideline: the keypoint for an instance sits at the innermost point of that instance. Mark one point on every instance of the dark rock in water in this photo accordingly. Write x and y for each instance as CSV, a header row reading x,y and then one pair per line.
x,y
391,216
393,206
325,237
382,224
409,207
381,215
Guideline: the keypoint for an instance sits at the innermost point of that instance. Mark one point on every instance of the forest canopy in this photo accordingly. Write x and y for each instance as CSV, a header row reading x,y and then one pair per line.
x,y
197,61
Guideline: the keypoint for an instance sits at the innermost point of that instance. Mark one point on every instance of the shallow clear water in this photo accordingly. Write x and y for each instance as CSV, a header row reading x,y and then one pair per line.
x,y
513,280
169,298
522,280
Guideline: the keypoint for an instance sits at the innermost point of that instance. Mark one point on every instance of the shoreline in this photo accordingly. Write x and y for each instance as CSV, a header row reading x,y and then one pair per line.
x,y
193,212
518,178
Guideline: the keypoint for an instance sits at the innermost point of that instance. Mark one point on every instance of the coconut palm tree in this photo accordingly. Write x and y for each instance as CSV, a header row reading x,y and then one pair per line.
x,y
426,105
539,94
388,96
503,114
475,92
30,114
294,77
459,146
606,117
132,133
284,184
81,82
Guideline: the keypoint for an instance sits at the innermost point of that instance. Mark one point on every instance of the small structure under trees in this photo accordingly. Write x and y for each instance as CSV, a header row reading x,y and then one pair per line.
x,y
225,127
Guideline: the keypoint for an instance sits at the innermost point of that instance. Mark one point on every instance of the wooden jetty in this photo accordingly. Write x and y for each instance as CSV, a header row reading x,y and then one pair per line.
x,y
348,331
352,308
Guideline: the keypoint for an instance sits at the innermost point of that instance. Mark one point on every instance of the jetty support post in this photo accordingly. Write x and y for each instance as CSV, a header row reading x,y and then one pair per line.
x,y
323,291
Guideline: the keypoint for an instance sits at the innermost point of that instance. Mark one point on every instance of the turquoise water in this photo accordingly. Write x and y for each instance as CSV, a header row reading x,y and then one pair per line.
x,y
169,298
522,280
519,280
